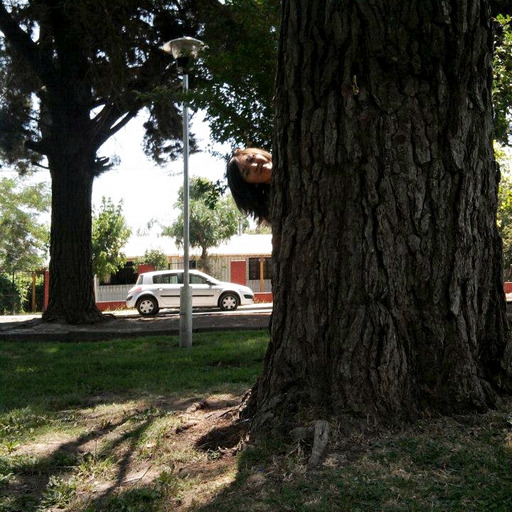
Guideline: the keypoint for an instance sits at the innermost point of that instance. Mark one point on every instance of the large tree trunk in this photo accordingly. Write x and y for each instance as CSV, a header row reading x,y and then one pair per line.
x,y
388,298
71,158
71,277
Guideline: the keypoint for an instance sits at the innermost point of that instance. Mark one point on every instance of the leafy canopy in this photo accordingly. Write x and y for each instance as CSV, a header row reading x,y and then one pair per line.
x,y
157,259
502,88
238,70
23,236
108,52
505,207
212,220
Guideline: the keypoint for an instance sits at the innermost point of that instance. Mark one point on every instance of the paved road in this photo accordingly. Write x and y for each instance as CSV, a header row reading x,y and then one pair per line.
x,y
124,324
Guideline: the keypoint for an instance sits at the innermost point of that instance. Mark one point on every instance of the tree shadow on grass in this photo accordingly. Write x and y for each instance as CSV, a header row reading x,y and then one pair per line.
x,y
40,482
165,490
48,480
227,437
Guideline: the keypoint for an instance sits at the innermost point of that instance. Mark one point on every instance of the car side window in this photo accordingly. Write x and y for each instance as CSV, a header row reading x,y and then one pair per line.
x,y
197,279
165,279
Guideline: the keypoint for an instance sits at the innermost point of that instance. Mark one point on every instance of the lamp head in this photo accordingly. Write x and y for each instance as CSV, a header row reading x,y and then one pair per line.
x,y
183,47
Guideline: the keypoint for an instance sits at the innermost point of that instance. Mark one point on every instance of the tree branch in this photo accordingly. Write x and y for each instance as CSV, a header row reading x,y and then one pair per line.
x,y
114,122
37,146
123,122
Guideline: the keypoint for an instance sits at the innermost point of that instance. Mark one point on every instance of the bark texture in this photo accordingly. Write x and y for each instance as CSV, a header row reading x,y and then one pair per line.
x,y
71,143
388,298
71,278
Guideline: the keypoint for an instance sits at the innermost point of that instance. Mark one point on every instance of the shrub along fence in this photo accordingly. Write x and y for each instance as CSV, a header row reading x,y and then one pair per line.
x,y
21,292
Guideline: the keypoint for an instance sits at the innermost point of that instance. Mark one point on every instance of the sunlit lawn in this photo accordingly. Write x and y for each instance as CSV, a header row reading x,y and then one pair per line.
x,y
51,376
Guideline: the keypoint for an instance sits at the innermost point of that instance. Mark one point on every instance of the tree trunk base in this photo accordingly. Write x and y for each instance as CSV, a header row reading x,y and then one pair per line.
x,y
281,416
79,318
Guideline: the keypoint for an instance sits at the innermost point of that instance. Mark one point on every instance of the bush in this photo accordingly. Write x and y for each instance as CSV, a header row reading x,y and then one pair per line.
x,y
11,295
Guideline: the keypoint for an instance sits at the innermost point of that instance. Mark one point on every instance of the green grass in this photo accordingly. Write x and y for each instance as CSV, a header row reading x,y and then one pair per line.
x,y
53,376
72,414
441,465
77,415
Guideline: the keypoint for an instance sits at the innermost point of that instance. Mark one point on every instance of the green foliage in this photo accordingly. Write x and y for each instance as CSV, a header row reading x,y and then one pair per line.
x,y
505,208
502,89
16,292
11,295
16,112
58,494
213,219
109,235
238,68
107,409
26,284
153,257
23,237
203,190
111,47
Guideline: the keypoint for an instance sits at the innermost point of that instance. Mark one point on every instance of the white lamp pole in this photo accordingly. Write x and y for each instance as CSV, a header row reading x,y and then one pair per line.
x,y
185,48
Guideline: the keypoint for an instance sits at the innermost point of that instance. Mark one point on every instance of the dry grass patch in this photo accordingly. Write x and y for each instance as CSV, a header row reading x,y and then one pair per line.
x,y
140,452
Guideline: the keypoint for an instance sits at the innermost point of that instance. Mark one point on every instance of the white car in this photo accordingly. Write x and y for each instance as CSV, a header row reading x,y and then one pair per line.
x,y
161,289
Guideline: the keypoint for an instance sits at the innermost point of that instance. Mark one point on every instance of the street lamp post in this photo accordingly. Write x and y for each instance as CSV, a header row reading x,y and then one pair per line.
x,y
184,49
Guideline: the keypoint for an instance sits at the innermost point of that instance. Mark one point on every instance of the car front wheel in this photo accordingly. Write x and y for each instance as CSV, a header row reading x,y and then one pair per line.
x,y
228,302
147,306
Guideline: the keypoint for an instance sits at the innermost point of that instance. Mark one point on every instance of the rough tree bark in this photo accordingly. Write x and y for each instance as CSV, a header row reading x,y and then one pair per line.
x,y
388,298
71,276
71,143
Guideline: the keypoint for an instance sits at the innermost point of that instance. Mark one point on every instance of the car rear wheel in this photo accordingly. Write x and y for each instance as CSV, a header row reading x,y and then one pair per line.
x,y
228,302
147,306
